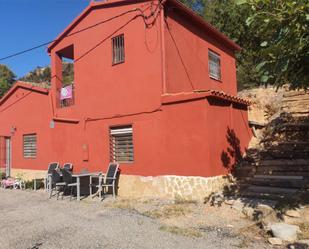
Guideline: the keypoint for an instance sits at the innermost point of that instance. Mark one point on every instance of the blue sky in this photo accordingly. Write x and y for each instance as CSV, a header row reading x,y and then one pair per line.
x,y
28,23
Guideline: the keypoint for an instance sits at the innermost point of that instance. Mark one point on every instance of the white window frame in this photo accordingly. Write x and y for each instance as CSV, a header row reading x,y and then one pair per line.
x,y
121,144
214,64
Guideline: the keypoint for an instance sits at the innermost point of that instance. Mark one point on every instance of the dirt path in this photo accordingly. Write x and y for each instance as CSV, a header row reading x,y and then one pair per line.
x,y
29,220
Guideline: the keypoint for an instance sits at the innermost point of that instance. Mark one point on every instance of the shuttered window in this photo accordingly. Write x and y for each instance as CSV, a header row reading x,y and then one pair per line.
x,y
121,144
30,145
118,49
214,65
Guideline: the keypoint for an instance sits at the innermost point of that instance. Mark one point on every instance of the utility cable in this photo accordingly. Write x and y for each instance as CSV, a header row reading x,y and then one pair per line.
x,y
145,18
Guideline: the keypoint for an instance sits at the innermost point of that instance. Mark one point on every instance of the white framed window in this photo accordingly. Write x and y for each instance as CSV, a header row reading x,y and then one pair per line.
x,y
30,145
214,65
118,49
121,144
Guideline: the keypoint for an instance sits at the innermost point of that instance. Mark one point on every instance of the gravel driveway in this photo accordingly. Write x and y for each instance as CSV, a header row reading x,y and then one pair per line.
x,y
29,220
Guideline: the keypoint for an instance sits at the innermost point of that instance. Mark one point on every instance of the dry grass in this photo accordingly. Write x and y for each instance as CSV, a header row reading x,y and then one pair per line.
x,y
242,244
180,200
128,204
304,228
168,211
187,232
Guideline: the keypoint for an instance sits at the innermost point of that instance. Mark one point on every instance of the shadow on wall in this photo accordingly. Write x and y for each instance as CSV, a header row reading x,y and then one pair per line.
x,y
233,154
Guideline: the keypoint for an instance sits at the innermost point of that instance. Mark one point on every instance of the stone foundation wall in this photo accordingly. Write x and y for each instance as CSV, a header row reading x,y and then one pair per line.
x,y
172,187
168,186
28,174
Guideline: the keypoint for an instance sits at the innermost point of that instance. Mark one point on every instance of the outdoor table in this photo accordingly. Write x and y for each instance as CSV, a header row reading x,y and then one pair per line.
x,y
78,176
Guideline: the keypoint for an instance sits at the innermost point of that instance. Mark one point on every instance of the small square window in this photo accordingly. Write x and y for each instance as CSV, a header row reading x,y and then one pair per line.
x,y
214,65
121,144
118,49
30,145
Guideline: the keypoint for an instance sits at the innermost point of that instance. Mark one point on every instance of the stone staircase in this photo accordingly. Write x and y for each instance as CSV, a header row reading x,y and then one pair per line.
x,y
280,168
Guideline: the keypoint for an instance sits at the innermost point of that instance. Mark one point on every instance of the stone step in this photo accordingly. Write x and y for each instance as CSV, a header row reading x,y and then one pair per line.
x,y
283,162
263,196
280,168
271,190
286,177
270,171
297,99
293,145
244,171
285,154
297,126
298,113
294,93
285,183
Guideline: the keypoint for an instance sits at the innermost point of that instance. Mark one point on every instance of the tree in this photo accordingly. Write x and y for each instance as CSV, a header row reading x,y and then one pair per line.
x,y
7,78
38,75
283,30
230,19
273,35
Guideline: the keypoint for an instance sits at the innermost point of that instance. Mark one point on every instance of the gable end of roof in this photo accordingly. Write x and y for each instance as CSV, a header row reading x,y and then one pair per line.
x,y
23,85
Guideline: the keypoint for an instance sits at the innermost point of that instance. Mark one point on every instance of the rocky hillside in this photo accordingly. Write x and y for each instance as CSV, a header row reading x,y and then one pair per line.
x,y
43,74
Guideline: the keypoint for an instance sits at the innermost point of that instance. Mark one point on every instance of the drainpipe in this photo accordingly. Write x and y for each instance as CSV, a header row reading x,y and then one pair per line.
x,y
163,48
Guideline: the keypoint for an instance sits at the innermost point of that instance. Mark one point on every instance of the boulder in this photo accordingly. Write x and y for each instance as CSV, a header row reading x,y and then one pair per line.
x,y
284,231
229,202
249,212
238,205
292,213
275,241
265,209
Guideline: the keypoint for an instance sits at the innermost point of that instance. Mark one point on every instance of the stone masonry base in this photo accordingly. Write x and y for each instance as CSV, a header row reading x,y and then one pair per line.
x,y
167,186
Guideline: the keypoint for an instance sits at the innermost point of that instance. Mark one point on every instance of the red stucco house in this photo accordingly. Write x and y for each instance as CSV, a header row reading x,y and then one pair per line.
x,y
154,88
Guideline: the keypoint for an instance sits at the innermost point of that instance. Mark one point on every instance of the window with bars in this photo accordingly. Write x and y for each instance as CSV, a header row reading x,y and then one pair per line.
x,y
30,145
121,144
118,49
214,65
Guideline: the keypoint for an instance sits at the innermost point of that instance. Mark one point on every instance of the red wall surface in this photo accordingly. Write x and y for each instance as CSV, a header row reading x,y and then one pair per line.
x,y
175,138
28,112
187,46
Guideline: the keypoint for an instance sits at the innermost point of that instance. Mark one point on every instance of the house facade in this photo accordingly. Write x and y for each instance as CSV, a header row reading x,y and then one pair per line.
x,y
154,89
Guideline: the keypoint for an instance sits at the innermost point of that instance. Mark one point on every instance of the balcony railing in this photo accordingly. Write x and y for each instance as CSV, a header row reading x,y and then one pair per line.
x,y
65,96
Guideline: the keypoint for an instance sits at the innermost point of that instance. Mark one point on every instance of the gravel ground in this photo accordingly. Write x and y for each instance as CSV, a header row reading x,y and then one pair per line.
x,y
29,220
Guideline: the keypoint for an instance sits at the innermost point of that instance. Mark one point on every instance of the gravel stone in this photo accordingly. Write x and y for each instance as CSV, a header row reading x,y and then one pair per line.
x,y
275,241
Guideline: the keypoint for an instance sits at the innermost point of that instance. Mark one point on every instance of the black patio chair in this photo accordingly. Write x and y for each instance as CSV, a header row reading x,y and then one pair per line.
x,y
106,180
51,167
67,182
54,180
68,166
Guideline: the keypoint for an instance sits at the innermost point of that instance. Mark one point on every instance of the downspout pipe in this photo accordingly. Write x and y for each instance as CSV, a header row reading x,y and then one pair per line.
x,y
163,54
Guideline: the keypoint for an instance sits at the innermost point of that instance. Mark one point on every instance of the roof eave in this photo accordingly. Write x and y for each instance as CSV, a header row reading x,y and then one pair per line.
x,y
85,12
208,26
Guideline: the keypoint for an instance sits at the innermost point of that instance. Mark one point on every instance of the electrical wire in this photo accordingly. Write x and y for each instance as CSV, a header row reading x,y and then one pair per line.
x,y
145,18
